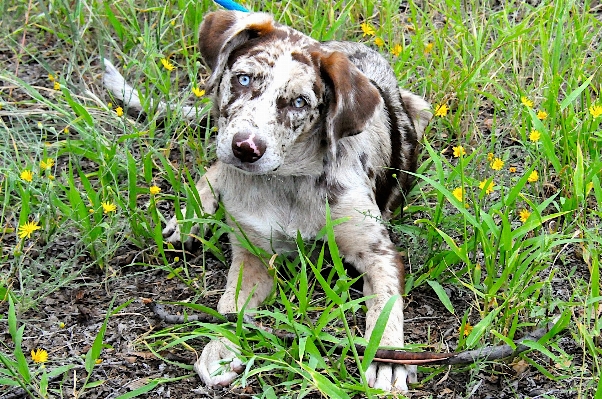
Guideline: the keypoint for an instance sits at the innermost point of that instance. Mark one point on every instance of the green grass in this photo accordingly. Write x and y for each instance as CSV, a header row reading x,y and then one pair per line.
x,y
475,59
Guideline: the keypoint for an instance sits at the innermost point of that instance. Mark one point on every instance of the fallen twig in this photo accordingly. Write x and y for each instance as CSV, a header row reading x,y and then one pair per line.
x,y
382,355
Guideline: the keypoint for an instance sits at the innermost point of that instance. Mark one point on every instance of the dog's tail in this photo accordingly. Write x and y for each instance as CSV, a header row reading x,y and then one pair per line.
x,y
116,84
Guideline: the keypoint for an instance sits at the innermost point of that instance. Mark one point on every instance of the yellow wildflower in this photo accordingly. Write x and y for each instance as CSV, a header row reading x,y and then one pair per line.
x,y
595,110
27,175
57,85
51,77
46,164
441,110
66,130
459,194
27,229
512,169
524,215
489,188
396,50
167,65
198,92
489,156
497,164
428,48
39,356
533,177
108,207
526,102
119,111
534,136
110,105
541,115
467,329
154,190
367,29
459,151
379,41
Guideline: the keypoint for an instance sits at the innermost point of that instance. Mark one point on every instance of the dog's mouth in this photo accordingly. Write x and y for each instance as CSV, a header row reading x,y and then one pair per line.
x,y
251,168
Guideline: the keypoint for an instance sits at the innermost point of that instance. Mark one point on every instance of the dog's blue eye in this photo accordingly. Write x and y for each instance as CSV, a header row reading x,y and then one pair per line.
x,y
244,80
299,102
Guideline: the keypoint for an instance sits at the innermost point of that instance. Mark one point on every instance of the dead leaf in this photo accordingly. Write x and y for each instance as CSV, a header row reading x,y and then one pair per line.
x,y
520,367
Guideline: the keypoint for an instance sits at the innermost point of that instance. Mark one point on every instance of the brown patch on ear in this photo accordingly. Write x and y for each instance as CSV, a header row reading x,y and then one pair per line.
x,y
262,28
354,99
219,28
213,34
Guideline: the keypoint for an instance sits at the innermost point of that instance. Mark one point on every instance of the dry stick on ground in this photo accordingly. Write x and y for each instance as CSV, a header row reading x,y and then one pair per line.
x,y
383,355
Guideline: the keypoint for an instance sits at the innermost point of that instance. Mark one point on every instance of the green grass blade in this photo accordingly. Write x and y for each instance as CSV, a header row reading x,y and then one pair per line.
x,y
442,295
377,332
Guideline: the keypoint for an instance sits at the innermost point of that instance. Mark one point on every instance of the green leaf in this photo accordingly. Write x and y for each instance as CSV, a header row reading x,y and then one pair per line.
x,y
324,385
76,107
44,384
480,329
94,352
94,384
579,176
442,295
575,93
377,332
9,382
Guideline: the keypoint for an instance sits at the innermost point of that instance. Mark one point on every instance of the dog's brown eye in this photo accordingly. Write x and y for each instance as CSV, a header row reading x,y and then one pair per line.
x,y
299,102
244,80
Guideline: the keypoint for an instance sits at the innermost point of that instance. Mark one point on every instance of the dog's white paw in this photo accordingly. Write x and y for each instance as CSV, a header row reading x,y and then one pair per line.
x,y
390,377
171,233
218,365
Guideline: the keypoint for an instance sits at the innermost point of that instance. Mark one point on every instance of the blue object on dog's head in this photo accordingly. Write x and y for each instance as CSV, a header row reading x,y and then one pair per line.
x,y
231,5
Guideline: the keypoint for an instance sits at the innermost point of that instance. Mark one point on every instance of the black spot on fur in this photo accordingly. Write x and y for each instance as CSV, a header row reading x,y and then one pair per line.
x,y
394,183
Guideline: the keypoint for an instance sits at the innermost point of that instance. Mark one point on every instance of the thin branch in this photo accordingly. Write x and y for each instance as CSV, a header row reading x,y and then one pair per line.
x,y
382,355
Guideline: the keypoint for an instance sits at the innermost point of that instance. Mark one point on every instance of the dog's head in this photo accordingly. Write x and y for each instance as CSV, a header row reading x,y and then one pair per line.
x,y
276,90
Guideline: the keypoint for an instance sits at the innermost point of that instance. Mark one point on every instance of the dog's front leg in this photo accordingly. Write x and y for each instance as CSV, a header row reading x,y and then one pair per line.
x,y
208,189
365,243
218,364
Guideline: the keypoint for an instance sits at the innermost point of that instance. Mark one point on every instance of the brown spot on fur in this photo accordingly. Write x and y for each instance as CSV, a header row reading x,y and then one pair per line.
x,y
302,58
402,273
377,248
334,189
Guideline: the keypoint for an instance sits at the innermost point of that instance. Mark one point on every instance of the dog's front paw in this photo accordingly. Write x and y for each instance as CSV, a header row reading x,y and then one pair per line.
x,y
172,233
390,377
218,365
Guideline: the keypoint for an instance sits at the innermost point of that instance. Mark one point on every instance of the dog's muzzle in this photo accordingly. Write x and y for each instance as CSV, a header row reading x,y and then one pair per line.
x,y
248,147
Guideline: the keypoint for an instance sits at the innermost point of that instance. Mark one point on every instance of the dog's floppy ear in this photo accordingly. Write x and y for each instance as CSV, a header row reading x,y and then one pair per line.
x,y
223,31
354,98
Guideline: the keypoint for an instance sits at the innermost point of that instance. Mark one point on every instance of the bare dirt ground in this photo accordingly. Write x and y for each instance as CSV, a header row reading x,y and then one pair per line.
x,y
127,363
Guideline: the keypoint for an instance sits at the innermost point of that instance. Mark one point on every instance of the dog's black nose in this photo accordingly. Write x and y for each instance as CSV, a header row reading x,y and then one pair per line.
x,y
247,147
